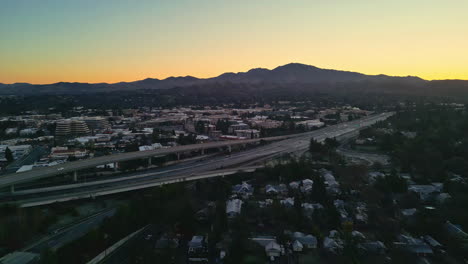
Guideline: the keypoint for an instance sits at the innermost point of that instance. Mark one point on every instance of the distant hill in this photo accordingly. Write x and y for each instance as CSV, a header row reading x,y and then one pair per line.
x,y
301,73
289,75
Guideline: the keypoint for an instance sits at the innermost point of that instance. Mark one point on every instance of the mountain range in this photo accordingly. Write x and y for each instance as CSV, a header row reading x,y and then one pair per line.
x,y
292,74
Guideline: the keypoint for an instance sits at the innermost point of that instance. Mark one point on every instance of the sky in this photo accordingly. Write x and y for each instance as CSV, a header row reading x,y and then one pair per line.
x,y
47,41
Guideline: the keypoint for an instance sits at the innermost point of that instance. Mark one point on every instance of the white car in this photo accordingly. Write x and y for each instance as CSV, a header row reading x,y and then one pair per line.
x,y
59,169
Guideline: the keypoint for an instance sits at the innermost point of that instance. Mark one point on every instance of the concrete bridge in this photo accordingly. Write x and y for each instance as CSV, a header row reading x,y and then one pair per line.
x,y
10,180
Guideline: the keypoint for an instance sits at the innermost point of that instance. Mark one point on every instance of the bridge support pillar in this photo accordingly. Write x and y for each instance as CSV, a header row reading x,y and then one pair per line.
x,y
75,176
178,156
12,188
203,151
149,161
116,166
229,149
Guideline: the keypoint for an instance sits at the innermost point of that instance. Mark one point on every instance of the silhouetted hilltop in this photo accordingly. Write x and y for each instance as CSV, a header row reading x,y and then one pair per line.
x,y
292,76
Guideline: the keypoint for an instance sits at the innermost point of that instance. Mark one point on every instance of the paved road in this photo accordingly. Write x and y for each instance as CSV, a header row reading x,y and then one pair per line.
x,y
122,255
66,235
297,139
99,190
45,172
370,158
187,170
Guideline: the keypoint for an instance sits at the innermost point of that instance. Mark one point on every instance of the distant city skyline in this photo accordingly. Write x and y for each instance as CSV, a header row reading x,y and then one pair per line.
x,y
112,41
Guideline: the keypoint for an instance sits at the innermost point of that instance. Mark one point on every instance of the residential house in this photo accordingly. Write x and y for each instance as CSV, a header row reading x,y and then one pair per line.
x,y
233,208
407,213
295,185
307,185
340,206
263,240
333,245
413,245
435,245
308,241
287,202
276,189
332,186
361,213
166,241
372,247
309,208
273,249
297,246
373,175
426,192
455,231
358,235
266,203
442,198
197,250
244,189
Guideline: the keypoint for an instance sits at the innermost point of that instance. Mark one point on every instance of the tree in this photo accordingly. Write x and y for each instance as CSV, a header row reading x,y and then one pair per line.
x,y
319,192
316,147
186,140
48,257
391,184
9,155
240,238
155,135
90,145
350,250
457,165
71,158
131,147
352,176
200,127
219,221
40,133
223,125
132,165
331,143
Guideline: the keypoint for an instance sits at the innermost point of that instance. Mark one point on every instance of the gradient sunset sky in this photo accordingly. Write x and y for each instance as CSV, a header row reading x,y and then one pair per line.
x,y
46,41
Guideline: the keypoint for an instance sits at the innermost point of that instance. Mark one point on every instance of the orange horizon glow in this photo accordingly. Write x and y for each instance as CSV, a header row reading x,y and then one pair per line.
x,y
130,76
116,41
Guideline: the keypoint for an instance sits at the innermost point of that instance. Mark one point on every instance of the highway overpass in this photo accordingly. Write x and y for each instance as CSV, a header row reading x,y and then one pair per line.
x,y
70,167
73,167
66,196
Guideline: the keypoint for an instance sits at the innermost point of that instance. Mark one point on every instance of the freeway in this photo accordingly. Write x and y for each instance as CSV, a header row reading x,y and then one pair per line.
x,y
66,235
190,170
45,172
329,131
370,158
99,190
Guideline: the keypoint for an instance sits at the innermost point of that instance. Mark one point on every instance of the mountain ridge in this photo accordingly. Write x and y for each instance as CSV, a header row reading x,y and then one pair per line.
x,y
253,70
291,73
